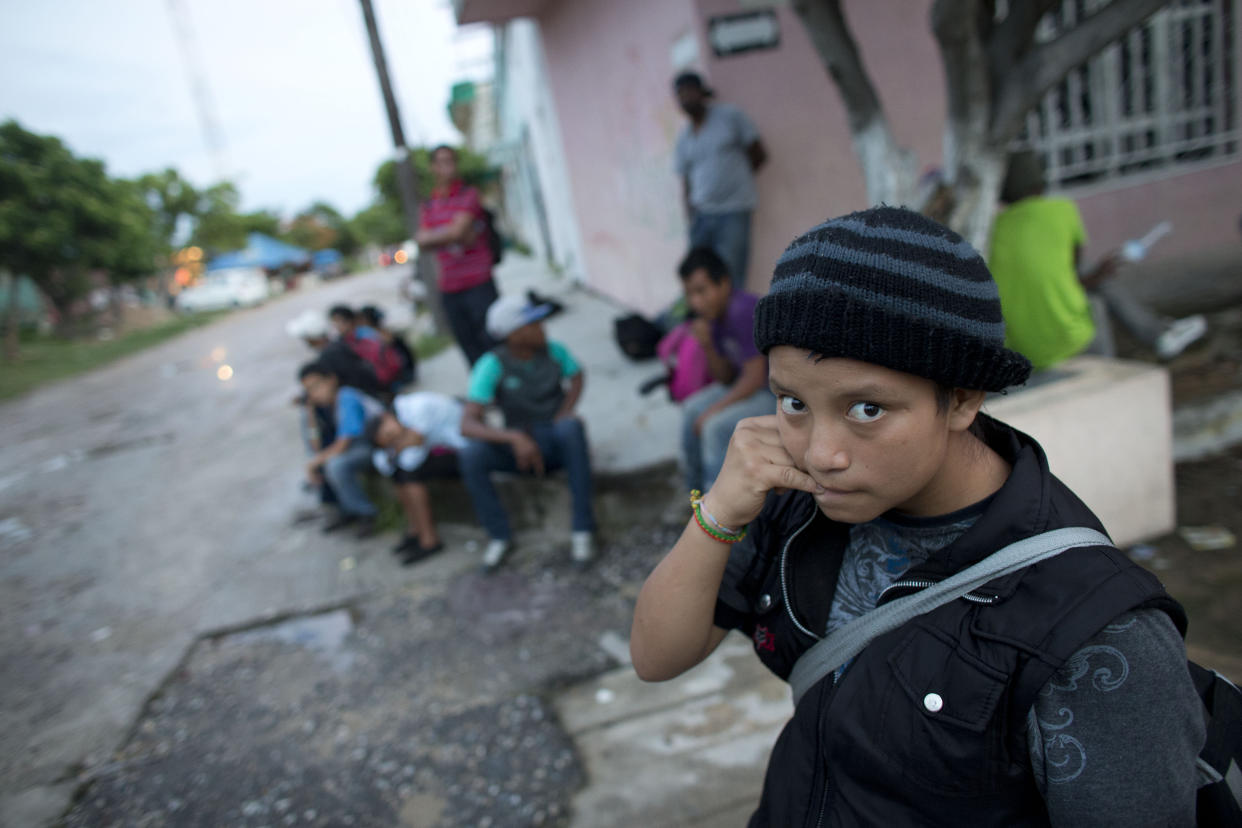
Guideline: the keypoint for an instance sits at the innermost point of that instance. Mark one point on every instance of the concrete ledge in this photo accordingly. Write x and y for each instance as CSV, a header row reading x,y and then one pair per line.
x,y
1106,426
622,500
691,751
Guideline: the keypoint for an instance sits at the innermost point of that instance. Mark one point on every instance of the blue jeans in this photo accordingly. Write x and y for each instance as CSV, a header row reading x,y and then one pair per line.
x,y
729,235
342,474
467,316
704,453
563,444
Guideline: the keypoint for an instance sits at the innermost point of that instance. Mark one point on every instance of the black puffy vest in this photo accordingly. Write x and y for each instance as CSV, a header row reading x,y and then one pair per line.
x,y
869,751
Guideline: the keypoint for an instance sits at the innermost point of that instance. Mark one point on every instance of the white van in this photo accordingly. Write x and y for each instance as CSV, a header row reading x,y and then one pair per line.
x,y
233,287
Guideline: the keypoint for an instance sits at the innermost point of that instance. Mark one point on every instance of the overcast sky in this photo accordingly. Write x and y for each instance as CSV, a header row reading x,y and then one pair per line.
x,y
291,82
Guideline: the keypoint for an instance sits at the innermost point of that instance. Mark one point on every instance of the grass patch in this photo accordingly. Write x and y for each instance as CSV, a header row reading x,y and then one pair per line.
x,y
46,358
428,345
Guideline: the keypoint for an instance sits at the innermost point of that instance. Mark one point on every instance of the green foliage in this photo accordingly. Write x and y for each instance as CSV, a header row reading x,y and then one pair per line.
x,y
221,227
62,217
321,226
48,358
428,345
383,222
171,198
473,168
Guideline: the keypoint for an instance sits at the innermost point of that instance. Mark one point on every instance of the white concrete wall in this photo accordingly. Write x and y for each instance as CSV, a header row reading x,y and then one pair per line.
x,y
532,153
1107,429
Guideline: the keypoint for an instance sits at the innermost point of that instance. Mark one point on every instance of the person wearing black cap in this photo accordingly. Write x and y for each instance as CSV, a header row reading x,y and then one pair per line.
x,y
1053,693
716,156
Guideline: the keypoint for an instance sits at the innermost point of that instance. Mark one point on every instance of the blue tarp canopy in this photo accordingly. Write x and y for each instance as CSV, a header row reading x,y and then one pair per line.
x,y
261,251
323,258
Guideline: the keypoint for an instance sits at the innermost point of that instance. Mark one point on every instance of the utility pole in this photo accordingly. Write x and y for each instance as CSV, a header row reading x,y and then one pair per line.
x,y
424,267
192,59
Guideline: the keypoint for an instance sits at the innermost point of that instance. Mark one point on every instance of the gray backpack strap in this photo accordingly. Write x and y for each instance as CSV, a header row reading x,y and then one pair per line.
x,y
848,641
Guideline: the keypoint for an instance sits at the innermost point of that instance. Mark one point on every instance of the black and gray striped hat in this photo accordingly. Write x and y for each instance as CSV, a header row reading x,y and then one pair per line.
x,y
894,288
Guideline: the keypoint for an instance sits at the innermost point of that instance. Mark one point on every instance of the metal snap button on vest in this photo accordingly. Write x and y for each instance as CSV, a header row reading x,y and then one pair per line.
x,y
765,602
933,702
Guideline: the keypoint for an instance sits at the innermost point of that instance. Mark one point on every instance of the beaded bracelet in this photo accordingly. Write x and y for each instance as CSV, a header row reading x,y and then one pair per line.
x,y
720,533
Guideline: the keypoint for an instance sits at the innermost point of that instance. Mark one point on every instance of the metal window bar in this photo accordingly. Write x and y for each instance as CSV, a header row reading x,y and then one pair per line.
x,y
1162,96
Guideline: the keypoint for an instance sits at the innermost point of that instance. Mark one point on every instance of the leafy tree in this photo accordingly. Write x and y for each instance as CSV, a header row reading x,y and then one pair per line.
x,y
383,222
473,168
221,227
322,226
62,217
995,73
171,198
261,221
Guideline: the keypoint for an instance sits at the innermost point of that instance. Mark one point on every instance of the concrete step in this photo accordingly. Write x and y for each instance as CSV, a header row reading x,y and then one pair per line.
x,y
691,751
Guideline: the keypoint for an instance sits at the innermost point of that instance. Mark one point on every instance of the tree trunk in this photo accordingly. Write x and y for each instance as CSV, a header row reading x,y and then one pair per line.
x,y
888,168
13,321
976,192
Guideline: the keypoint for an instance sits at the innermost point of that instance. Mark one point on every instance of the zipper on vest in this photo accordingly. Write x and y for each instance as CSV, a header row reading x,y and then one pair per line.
x,y
830,692
925,584
823,804
785,586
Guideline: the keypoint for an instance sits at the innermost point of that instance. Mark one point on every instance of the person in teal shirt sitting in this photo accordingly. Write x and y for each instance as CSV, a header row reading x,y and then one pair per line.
x,y
536,383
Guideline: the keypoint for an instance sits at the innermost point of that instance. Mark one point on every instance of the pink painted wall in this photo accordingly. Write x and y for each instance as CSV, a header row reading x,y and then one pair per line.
x,y
813,173
610,68
1204,206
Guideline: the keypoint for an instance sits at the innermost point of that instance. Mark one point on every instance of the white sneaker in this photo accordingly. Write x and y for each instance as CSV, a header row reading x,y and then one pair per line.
x,y
1180,335
582,547
495,553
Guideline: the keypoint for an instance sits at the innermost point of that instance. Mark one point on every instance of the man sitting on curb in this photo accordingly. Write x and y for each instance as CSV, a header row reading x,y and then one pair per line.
x,y
724,327
415,442
536,384
338,463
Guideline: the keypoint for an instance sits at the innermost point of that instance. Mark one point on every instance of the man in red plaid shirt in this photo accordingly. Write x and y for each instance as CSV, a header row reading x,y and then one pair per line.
x,y
453,226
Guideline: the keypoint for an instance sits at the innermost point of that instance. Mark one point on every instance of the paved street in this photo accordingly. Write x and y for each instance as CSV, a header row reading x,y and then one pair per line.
x,y
141,505
182,653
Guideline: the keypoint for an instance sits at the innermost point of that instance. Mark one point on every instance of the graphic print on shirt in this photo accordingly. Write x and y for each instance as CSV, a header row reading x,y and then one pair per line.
x,y
879,553
1064,755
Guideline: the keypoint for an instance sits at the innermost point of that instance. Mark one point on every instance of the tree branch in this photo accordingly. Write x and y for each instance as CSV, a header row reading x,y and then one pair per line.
x,y
1027,80
955,24
825,24
1011,39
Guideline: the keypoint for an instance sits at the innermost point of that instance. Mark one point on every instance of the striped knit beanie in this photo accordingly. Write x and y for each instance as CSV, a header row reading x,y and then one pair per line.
x,y
893,288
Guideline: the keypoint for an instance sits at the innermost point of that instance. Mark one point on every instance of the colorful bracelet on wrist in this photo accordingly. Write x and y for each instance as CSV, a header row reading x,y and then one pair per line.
x,y
710,525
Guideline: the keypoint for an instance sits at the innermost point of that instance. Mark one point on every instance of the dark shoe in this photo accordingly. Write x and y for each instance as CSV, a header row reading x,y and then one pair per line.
x,y
366,527
408,544
341,520
420,552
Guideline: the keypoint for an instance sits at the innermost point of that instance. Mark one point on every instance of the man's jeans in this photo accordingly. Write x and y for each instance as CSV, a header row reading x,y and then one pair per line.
x,y
729,235
563,444
342,474
467,316
704,453
1113,299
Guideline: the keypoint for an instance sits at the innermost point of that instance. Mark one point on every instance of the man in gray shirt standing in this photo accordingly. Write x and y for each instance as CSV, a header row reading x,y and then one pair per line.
x,y
717,154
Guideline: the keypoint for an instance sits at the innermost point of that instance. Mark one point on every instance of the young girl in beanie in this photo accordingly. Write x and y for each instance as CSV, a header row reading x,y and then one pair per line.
x,y
1057,694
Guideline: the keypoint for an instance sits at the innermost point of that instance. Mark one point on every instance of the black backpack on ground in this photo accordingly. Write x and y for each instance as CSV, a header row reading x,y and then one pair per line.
x,y
636,336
